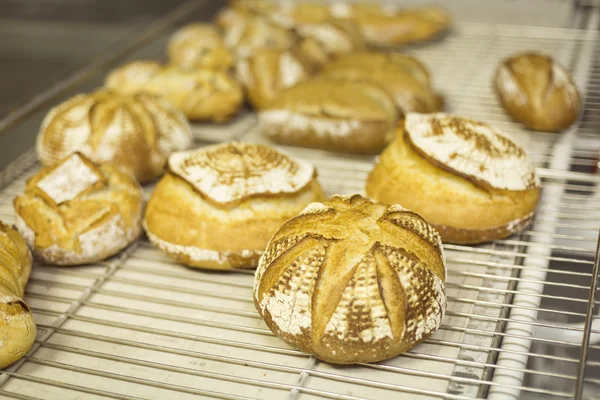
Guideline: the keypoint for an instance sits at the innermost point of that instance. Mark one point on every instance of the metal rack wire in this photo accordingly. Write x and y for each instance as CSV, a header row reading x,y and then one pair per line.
x,y
141,326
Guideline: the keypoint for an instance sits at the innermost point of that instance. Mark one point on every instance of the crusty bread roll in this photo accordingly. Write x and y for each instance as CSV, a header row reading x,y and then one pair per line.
x,y
352,281
199,45
17,324
136,131
202,94
266,72
538,92
404,77
344,116
77,213
384,25
470,182
218,206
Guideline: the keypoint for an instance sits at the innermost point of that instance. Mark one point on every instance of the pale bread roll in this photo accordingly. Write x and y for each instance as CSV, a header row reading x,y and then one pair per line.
x,y
352,281
136,131
344,116
199,45
202,94
17,323
538,92
78,213
218,206
469,181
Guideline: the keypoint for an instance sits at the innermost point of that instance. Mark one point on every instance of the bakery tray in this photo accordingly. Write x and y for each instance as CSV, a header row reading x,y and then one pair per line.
x,y
519,324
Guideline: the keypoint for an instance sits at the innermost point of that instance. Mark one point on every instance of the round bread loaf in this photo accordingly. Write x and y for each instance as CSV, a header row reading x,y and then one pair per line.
x,y
538,92
470,182
199,45
352,281
218,206
202,94
404,77
78,213
17,324
136,131
385,25
341,116
267,72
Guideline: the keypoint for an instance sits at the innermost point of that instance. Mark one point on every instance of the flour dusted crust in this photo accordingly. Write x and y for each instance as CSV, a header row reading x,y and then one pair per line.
x,y
136,131
16,320
538,92
199,45
201,94
472,149
470,182
218,206
78,213
354,117
352,281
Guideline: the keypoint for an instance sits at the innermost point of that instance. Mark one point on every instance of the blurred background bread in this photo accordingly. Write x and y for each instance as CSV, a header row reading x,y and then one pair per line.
x,y
199,45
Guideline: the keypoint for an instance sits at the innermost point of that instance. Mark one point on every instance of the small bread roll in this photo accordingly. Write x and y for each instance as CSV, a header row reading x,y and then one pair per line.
x,y
384,25
341,116
267,72
136,131
470,182
404,77
538,92
352,281
78,213
202,94
199,45
16,321
218,206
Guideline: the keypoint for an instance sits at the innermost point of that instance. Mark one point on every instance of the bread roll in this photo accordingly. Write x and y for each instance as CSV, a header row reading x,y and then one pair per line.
x,y
383,25
352,281
77,213
199,45
218,206
202,94
538,92
17,324
404,77
354,117
267,72
136,131
469,181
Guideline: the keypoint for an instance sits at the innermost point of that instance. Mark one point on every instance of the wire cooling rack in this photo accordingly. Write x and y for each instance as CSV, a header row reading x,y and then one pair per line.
x,y
141,326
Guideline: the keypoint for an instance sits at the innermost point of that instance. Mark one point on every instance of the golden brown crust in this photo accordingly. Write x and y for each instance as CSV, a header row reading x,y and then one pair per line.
x,y
16,323
355,117
199,45
537,92
136,131
202,94
352,281
462,211
77,213
219,210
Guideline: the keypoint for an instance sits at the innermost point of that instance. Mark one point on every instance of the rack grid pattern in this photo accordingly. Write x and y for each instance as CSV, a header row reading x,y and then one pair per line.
x,y
142,326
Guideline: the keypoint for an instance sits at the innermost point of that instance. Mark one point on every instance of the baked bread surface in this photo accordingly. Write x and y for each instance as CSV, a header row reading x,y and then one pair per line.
x,y
341,116
202,94
17,323
538,92
78,213
470,182
218,206
136,131
350,281
199,45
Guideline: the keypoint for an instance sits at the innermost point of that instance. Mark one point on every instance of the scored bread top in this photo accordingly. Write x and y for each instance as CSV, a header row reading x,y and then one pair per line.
x,y
231,172
471,149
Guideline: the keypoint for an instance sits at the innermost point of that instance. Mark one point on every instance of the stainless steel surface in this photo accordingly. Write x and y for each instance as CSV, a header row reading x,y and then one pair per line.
x,y
518,320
